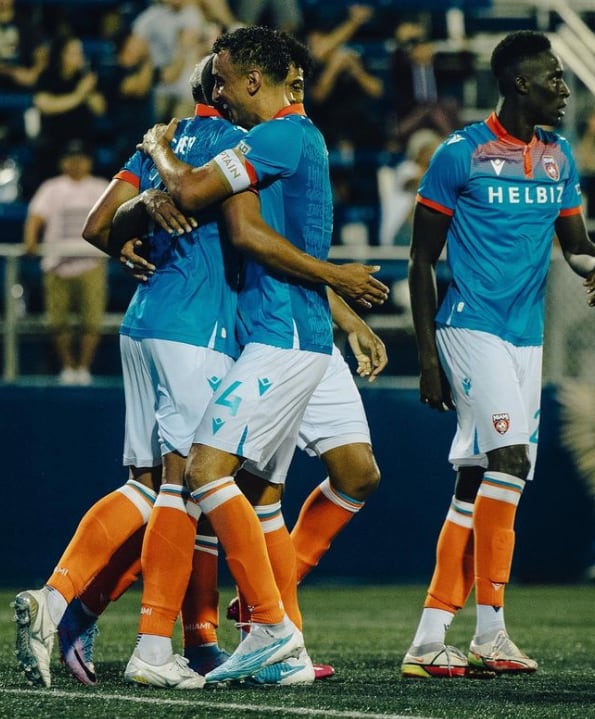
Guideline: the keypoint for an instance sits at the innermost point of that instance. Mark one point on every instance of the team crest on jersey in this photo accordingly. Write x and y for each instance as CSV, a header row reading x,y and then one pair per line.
x,y
244,147
501,422
551,167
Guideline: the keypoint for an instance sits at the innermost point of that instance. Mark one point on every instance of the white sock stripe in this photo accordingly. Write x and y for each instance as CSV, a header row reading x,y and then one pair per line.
x,y
207,544
460,513
216,493
341,500
192,508
172,496
142,497
501,487
270,517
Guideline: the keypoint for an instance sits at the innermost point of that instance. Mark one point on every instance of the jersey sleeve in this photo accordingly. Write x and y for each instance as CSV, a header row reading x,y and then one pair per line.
x,y
272,149
571,199
132,170
446,176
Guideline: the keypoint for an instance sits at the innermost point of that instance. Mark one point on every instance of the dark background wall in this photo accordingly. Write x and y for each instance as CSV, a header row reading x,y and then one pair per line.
x,y
63,451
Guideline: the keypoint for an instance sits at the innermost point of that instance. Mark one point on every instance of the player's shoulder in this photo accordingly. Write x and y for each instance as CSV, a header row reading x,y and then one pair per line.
x,y
551,137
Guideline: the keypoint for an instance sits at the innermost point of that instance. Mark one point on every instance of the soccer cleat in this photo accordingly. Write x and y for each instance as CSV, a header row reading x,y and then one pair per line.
x,y
76,637
35,636
323,671
173,674
291,671
500,655
203,659
265,644
434,660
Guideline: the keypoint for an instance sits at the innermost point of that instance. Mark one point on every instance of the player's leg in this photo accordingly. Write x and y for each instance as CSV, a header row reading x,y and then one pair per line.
x,y
335,428
273,410
186,376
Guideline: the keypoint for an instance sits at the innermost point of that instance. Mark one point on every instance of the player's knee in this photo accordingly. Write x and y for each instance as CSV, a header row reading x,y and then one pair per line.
x,y
512,460
361,483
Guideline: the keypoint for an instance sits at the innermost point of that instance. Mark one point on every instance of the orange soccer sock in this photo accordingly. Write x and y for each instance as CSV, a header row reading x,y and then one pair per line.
x,y
239,531
493,522
117,576
103,529
167,560
322,516
282,557
200,609
453,574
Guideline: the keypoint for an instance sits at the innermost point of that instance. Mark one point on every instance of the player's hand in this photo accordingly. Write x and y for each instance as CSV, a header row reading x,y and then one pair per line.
x,y
158,135
163,210
369,352
133,263
589,283
355,281
434,389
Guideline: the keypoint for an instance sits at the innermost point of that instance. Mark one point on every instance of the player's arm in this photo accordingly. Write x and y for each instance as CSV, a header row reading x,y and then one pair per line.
x,y
578,249
34,226
193,188
428,240
251,234
368,349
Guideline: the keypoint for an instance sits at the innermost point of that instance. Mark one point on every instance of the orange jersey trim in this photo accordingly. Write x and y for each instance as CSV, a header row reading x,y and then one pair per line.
x,y
129,177
568,212
434,206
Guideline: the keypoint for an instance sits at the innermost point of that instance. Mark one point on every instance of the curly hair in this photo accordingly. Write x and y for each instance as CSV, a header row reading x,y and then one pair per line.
x,y
299,53
256,46
512,50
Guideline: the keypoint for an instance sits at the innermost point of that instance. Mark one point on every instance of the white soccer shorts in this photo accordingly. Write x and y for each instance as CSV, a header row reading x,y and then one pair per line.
x,y
167,387
497,390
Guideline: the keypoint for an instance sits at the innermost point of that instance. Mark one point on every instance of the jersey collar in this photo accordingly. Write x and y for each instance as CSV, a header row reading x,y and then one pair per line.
x,y
206,111
502,134
294,109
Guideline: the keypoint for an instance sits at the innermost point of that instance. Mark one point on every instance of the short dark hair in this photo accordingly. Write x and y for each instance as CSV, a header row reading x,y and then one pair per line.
x,y
299,53
512,50
202,81
259,47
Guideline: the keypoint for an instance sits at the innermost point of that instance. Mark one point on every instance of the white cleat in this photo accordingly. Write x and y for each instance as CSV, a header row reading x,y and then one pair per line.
x,y
265,644
35,636
290,672
173,674
501,655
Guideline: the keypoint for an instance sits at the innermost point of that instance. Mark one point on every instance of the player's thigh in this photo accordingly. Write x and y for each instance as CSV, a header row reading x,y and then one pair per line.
x,y
261,401
335,414
184,377
487,381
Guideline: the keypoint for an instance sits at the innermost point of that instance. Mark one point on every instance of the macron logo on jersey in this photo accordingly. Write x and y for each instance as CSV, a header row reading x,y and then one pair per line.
x,y
497,165
454,139
530,195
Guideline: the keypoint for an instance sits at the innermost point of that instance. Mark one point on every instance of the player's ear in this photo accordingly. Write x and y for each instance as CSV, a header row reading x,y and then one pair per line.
x,y
254,81
521,84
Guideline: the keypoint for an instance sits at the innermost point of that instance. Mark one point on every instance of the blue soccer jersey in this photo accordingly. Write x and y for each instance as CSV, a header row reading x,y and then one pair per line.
x,y
288,161
192,297
504,197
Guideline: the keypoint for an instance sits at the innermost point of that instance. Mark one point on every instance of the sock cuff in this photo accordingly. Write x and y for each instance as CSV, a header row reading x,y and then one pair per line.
x,y
502,487
338,498
172,496
215,493
460,513
206,543
270,516
142,497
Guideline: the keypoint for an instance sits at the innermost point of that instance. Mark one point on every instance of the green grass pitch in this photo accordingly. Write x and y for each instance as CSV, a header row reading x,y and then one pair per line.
x,y
363,631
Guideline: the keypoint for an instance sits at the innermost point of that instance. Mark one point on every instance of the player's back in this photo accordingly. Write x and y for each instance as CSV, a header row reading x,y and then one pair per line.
x,y
192,297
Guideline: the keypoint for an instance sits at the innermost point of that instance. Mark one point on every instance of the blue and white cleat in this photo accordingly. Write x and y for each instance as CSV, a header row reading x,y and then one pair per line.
x,y
35,636
265,644
205,658
292,671
77,632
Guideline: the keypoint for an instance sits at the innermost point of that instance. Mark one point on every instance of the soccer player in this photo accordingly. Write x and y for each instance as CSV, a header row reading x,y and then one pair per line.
x,y
284,328
495,193
141,328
